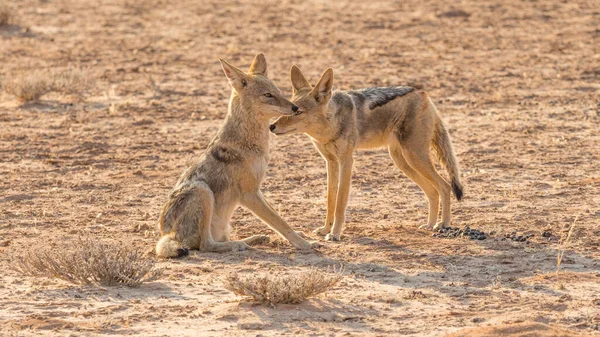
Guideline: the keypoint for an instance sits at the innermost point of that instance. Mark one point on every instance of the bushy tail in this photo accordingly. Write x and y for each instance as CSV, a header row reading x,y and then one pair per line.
x,y
168,247
445,154
186,218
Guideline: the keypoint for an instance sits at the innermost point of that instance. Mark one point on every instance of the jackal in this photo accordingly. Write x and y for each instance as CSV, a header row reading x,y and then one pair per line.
x,y
400,118
230,172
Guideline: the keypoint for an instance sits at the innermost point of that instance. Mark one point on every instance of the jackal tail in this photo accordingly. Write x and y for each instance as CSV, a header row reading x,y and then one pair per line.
x,y
182,210
445,153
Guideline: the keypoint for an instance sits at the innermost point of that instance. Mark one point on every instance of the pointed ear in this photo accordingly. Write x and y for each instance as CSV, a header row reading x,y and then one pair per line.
x,y
323,89
237,78
298,80
259,65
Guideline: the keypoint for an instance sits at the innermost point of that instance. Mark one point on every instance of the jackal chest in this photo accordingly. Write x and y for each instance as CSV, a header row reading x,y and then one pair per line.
x,y
253,172
334,150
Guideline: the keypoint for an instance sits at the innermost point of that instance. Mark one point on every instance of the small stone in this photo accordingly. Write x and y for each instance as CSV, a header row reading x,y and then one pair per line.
x,y
546,234
481,237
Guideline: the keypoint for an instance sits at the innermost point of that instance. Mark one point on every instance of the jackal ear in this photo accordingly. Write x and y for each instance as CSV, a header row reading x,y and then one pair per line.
x,y
323,89
298,80
259,65
237,78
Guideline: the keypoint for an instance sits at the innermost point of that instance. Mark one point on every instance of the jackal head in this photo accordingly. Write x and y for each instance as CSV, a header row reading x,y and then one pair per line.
x,y
256,92
312,102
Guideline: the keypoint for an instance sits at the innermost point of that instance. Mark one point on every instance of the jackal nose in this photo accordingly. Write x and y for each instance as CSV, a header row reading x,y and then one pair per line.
x,y
272,126
294,109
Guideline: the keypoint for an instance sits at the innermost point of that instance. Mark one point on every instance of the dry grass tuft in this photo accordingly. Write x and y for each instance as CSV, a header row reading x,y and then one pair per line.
x,y
72,81
564,242
5,15
292,289
30,86
88,261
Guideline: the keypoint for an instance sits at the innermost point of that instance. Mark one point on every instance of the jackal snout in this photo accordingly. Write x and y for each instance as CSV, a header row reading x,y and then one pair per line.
x,y
284,125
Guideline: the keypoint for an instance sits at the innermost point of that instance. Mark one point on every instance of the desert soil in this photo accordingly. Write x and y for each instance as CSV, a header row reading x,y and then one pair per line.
x,y
517,83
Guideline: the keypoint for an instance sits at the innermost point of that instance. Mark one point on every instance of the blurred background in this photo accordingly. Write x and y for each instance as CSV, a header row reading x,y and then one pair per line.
x,y
477,53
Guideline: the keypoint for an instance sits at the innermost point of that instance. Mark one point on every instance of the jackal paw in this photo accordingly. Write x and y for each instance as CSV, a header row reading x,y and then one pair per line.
x,y
309,245
239,246
427,227
333,237
321,231
438,226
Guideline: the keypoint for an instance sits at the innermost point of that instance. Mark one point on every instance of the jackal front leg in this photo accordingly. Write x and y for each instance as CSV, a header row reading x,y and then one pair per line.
x,y
257,204
342,200
332,191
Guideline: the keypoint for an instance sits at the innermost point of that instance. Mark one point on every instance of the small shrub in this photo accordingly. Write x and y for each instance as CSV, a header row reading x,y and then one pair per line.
x,y
293,288
88,261
28,86
72,81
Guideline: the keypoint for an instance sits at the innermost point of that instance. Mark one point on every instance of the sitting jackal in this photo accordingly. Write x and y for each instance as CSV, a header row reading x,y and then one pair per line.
x,y
230,172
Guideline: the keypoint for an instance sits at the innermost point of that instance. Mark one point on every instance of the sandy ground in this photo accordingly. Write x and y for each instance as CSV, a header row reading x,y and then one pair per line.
x,y
517,83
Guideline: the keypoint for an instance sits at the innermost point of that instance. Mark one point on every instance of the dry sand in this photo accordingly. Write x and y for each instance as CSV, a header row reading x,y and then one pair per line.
x,y
517,83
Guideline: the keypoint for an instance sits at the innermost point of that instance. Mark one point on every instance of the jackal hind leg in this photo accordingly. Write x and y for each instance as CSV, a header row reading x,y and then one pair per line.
x,y
420,161
427,188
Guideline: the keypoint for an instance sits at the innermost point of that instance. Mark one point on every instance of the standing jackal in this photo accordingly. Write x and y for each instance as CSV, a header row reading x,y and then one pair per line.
x,y
230,172
399,118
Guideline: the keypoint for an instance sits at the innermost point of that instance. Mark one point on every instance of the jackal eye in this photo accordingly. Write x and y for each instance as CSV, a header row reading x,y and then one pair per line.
x,y
268,95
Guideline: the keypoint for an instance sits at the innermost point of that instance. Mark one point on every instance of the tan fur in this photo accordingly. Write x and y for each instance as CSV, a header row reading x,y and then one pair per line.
x,y
341,122
230,172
